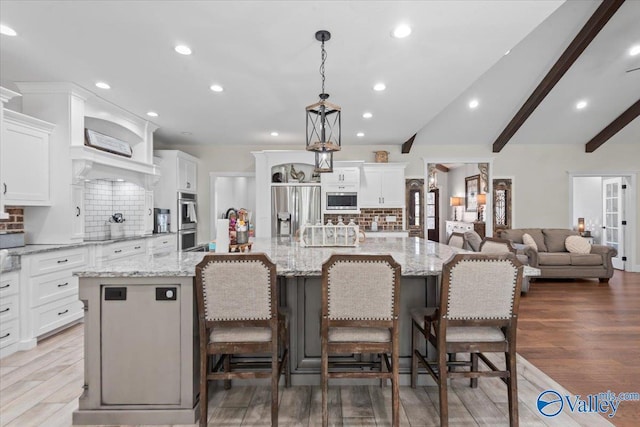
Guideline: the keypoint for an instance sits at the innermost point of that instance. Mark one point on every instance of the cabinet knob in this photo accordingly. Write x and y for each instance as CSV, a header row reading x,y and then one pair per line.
x,y
4,184
62,285
5,335
149,211
63,312
77,210
188,185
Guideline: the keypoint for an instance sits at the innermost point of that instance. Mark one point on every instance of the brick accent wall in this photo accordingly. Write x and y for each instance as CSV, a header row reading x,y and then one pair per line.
x,y
366,218
15,223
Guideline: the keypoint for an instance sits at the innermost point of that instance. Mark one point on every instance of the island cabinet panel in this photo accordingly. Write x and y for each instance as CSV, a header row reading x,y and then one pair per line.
x,y
155,365
303,296
141,351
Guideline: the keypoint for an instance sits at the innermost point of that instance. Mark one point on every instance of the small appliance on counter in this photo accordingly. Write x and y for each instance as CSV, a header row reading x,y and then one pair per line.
x,y
161,220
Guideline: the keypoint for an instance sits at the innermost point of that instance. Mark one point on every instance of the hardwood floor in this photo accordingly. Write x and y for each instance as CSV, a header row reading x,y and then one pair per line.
x,y
584,334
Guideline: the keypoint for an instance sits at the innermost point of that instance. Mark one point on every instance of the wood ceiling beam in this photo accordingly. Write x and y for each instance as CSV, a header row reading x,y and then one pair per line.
x,y
585,36
406,146
441,167
614,127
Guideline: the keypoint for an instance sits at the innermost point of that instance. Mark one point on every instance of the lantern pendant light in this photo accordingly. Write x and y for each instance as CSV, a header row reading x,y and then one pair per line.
x,y
323,121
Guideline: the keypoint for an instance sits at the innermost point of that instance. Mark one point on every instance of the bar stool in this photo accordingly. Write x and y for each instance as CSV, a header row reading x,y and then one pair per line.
x,y
360,305
237,305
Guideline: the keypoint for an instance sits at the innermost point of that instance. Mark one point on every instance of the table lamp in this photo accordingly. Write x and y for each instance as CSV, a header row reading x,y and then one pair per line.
x,y
455,202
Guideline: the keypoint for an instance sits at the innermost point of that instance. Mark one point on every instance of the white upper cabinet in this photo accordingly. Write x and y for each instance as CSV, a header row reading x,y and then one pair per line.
x,y
25,160
340,177
187,174
382,185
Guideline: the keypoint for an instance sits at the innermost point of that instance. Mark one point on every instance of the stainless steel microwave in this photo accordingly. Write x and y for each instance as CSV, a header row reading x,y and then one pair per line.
x,y
347,201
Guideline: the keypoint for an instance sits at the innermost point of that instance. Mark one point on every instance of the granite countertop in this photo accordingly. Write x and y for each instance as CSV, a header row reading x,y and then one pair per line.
x,y
12,261
34,249
417,257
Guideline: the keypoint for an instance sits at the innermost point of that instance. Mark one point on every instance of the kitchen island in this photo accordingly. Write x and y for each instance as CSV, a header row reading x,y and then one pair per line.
x,y
141,334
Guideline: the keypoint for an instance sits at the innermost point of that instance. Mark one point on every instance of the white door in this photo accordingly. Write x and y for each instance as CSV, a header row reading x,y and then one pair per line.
x,y
613,214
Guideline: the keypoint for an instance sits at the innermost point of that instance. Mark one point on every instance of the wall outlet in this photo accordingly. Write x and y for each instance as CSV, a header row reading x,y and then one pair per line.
x,y
391,218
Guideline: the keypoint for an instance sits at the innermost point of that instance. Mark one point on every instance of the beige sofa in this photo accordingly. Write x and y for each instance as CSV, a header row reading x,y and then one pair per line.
x,y
553,259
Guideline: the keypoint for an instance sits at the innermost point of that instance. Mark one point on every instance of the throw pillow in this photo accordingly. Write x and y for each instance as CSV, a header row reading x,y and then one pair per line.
x,y
528,240
473,239
577,245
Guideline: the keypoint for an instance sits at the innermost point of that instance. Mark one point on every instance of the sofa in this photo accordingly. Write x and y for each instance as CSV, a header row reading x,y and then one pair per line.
x,y
548,252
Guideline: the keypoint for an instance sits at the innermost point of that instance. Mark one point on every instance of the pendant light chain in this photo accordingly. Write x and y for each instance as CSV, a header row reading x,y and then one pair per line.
x,y
323,56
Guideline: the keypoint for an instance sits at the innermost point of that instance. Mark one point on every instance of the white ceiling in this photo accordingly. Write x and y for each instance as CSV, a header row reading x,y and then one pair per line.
x,y
265,55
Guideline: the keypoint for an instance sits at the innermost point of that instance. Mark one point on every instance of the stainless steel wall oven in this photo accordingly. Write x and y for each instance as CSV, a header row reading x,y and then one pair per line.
x,y
187,221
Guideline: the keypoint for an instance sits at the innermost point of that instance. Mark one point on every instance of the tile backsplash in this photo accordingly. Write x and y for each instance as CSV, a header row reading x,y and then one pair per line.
x,y
104,198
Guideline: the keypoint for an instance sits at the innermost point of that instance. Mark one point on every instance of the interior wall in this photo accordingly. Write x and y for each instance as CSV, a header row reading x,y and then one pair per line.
x,y
587,204
540,170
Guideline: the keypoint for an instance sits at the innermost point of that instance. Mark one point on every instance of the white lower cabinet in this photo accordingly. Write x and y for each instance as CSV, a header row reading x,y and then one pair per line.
x,y
52,289
9,312
123,249
163,243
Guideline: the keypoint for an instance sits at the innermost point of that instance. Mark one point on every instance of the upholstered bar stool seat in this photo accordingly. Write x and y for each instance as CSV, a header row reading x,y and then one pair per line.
x,y
247,334
359,335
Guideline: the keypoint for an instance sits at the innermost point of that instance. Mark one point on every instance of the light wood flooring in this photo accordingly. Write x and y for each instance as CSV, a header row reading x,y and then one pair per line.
x,y
40,387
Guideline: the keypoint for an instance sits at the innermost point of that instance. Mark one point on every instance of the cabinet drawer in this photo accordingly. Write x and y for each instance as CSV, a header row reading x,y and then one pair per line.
x,y
161,244
52,287
54,315
8,308
9,284
124,249
50,262
8,333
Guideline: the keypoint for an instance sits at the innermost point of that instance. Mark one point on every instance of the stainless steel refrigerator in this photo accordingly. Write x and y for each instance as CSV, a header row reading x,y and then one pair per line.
x,y
294,206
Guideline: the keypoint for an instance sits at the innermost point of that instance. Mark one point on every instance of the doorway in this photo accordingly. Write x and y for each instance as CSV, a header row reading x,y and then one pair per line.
x,y
606,205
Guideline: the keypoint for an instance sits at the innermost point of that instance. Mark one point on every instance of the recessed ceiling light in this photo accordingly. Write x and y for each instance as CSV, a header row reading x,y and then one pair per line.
x,y
103,85
216,88
401,31
187,133
274,134
581,104
183,50
474,103
367,115
360,134
635,50
120,180
379,87
507,52
7,31
152,114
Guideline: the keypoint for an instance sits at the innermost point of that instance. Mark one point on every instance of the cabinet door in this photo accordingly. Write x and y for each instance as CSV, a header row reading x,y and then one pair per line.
x,y
392,188
370,196
25,165
186,175
77,220
148,212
